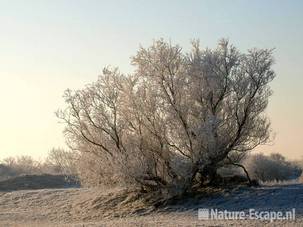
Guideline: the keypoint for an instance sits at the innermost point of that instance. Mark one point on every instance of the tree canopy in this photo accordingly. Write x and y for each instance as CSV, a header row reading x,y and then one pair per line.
x,y
178,116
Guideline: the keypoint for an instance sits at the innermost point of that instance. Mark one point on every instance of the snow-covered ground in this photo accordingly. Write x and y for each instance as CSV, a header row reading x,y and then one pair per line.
x,y
94,207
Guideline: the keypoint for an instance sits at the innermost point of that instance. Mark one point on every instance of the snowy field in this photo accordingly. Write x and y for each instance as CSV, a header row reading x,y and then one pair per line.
x,y
91,207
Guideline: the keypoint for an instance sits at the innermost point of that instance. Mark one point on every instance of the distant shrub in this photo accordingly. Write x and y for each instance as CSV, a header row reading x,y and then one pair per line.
x,y
6,172
22,165
228,171
91,173
299,162
271,168
60,161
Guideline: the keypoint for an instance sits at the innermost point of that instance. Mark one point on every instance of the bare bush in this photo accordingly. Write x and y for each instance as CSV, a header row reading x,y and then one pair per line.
x,y
58,162
178,116
61,161
23,165
271,168
6,172
229,171
91,173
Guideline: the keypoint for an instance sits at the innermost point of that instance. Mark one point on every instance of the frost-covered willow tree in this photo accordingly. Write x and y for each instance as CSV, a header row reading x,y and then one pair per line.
x,y
176,119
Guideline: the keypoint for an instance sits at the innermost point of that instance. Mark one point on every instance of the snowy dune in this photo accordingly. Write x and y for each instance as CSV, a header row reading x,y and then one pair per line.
x,y
92,207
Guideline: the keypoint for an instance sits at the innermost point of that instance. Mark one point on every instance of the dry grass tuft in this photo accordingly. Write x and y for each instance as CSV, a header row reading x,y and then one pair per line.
x,y
120,203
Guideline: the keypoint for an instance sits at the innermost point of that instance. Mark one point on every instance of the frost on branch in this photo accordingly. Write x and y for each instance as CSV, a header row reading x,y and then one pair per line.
x,y
178,118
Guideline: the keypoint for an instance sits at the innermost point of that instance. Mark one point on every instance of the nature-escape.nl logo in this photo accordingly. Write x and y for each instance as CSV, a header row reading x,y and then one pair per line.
x,y
252,214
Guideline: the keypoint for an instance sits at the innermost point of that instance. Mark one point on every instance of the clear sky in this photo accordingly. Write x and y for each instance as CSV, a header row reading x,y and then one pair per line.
x,y
48,46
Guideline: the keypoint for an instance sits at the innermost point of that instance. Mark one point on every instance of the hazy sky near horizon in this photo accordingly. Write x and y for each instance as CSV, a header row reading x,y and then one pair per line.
x,y
48,46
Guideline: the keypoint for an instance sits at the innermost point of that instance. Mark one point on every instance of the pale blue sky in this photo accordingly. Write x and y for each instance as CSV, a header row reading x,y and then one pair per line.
x,y
48,46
